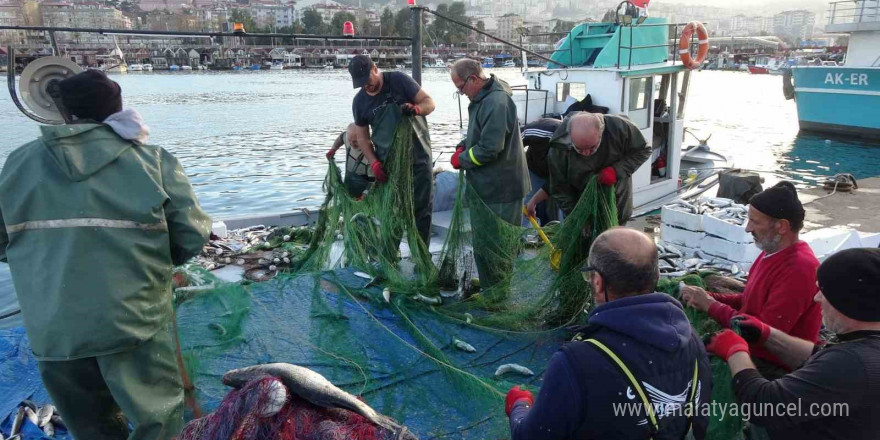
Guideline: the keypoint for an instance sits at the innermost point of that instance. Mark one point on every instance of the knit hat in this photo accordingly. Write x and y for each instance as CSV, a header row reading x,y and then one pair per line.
x,y
91,95
850,281
780,202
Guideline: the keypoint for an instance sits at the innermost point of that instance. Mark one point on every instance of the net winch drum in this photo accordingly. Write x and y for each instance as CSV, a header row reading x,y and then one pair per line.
x,y
35,81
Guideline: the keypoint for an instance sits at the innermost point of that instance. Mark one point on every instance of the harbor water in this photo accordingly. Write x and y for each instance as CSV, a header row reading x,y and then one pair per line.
x,y
254,142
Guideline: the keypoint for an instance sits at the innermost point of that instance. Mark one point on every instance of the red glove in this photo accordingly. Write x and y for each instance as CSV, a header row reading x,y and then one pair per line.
x,y
331,153
410,109
750,328
379,172
607,176
724,344
455,160
515,395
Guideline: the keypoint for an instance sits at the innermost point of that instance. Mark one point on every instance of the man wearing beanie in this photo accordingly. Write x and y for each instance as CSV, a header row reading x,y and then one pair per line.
x,y
91,222
782,280
835,389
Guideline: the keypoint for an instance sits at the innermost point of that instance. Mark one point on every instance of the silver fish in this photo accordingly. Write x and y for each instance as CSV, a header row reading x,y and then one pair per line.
x,y
17,422
363,275
313,387
48,429
57,422
44,414
674,274
468,318
427,300
31,415
463,346
513,368
386,294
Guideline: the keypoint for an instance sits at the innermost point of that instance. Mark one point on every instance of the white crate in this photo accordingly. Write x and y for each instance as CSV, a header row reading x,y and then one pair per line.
x,y
680,236
826,241
219,229
681,219
738,252
728,231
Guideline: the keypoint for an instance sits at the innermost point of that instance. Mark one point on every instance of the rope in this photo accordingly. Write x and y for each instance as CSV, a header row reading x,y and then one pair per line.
x,y
10,314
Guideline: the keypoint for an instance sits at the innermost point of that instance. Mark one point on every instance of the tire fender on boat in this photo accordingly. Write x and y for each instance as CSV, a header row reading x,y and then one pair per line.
x,y
787,84
684,44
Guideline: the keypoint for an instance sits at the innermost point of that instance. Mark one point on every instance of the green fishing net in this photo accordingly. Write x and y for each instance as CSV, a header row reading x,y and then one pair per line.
x,y
422,336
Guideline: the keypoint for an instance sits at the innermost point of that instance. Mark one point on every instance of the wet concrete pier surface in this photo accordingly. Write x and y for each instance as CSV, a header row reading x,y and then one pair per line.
x,y
859,209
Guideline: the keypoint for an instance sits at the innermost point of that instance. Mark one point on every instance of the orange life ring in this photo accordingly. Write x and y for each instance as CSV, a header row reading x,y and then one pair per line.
x,y
684,44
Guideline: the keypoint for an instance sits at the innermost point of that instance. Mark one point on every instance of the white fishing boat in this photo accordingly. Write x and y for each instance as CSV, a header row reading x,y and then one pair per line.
x,y
148,67
135,67
186,67
278,65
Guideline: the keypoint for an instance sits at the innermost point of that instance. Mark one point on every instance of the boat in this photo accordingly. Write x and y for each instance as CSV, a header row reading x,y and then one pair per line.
x,y
758,70
136,67
202,67
329,66
640,84
509,63
148,67
488,62
186,67
237,68
278,65
400,67
292,61
174,67
254,67
843,99
439,63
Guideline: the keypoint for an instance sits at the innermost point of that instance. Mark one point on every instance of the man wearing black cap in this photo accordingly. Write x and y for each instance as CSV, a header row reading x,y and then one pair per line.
x,y
835,390
383,101
782,280
91,221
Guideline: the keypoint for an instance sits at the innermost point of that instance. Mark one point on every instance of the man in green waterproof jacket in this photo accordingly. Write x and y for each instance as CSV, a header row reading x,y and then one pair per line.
x,y
91,221
493,159
588,144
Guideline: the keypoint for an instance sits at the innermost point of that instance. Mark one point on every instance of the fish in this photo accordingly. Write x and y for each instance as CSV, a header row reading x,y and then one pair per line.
x,y
674,274
513,368
221,331
31,415
427,300
468,318
450,293
17,422
386,294
286,238
313,387
44,414
463,346
48,429
363,275
57,422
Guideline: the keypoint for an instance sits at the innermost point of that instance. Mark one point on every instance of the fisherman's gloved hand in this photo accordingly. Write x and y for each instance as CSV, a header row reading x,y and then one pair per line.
x,y
455,162
331,154
379,172
752,329
724,344
517,394
410,109
607,176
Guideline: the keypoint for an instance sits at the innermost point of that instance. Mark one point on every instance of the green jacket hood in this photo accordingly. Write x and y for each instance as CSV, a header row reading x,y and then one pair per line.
x,y
81,150
496,84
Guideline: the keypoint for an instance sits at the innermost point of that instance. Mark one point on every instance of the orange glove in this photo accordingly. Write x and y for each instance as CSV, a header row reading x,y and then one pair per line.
x,y
517,394
607,176
455,161
724,344
379,172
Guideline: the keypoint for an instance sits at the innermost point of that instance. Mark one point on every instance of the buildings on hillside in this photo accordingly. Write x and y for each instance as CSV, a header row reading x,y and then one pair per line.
x,y
797,24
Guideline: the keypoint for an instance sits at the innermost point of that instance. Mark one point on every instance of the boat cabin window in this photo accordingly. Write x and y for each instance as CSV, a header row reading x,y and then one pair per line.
x,y
577,91
640,95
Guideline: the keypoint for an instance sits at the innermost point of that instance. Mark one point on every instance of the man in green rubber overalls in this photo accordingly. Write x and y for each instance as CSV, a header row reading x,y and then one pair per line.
x,y
382,103
91,221
494,162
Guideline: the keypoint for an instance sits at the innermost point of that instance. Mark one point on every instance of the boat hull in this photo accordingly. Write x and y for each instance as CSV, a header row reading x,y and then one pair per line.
x,y
841,100
757,70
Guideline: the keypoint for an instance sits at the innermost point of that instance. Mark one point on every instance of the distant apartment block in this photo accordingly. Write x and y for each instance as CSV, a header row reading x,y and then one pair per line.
x,y
508,27
276,16
794,24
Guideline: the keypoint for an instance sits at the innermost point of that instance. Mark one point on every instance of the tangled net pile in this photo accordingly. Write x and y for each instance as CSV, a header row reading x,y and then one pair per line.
x,y
404,354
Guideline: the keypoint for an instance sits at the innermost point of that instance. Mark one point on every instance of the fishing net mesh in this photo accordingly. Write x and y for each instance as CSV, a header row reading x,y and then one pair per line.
x,y
422,340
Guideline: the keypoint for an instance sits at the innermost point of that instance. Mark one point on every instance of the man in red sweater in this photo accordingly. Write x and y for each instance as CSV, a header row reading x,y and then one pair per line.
x,y
782,280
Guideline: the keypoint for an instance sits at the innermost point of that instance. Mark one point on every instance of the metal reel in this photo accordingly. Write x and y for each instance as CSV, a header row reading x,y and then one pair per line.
x,y
34,82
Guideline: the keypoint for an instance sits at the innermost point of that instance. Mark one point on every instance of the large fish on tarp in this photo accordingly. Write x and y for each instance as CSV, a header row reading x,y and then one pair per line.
x,y
316,389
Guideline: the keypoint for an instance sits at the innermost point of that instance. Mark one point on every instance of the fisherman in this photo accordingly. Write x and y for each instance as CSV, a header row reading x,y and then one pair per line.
x,y
588,144
91,221
358,173
383,101
494,162
536,138
836,387
631,333
782,280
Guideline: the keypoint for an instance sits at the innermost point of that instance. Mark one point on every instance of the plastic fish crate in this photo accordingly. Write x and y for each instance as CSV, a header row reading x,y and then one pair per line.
x,y
737,252
682,237
727,231
681,219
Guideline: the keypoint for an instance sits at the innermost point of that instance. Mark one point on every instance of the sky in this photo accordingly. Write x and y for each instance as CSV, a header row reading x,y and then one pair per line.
x,y
781,4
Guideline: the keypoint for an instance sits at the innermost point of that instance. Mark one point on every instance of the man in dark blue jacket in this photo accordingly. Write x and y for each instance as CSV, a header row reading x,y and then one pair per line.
x,y
638,351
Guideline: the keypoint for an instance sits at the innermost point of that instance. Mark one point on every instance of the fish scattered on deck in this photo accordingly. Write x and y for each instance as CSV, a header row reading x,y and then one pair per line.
x,y
426,299
463,346
386,294
44,414
363,275
513,368
17,421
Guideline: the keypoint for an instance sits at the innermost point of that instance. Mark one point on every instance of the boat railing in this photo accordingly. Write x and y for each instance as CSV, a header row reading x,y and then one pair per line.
x,y
527,90
847,12
673,29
